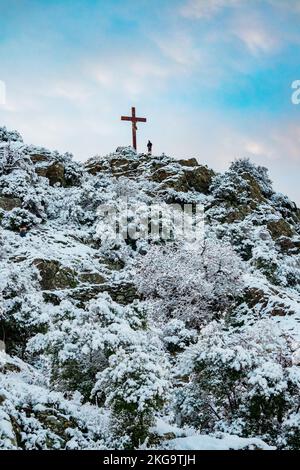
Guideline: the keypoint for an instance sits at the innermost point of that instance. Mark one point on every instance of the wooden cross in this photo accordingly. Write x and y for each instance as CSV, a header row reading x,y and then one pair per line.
x,y
134,120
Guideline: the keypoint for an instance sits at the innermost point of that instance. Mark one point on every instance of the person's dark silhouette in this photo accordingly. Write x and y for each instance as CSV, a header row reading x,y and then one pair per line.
x,y
23,231
149,146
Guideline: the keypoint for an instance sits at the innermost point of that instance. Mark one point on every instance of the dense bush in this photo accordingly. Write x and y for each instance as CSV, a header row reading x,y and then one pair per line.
x,y
195,283
240,381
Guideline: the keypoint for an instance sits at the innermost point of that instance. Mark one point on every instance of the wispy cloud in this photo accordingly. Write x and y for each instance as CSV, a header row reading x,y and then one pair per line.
x,y
206,8
179,47
287,5
197,9
132,73
71,91
255,33
261,26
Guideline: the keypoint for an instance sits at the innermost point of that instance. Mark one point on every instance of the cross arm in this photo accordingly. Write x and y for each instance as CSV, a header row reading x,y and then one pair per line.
x,y
130,118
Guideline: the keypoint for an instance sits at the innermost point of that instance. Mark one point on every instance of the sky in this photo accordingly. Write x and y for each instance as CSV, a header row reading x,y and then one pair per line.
x,y
213,77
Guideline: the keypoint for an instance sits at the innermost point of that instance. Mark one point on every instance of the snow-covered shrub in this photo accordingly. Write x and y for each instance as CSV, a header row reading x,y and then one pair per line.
x,y
35,202
135,223
265,257
79,342
33,417
176,337
240,236
12,158
188,283
23,313
243,183
259,173
107,349
285,206
73,170
9,136
18,217
240,381
252,240
288,272
290,438
135,386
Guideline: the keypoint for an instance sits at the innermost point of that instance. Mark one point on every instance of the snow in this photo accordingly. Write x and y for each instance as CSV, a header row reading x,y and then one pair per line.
x,y
227,442
186,439
211,341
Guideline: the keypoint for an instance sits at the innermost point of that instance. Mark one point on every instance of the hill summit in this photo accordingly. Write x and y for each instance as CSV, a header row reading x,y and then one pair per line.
x,y
113,342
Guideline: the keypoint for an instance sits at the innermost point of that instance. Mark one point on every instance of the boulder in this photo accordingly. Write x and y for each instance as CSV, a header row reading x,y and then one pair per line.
x,y
289,246
199,178
236,214
280,310
162,174
53,420
255,296
189,162
86,292
118,166
51,298
253,188
55,172
122,293
270,301
37,158
91,278
94,167
113,265
9,203
181,175
53,275
280,228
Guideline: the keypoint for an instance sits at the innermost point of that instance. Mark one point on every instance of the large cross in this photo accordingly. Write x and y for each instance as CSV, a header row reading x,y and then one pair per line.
x,y
134,120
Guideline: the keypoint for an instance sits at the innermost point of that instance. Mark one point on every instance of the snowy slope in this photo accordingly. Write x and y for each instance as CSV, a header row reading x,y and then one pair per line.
x,y
122,343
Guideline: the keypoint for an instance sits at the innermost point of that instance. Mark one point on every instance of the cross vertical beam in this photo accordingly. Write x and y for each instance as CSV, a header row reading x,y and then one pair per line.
x,y
134,127
133,119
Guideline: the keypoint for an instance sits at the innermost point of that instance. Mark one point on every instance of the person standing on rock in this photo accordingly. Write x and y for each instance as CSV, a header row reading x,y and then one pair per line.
x,y
149,146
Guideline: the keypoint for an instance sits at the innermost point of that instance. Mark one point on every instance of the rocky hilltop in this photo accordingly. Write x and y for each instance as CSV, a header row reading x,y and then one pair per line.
x,y
115,343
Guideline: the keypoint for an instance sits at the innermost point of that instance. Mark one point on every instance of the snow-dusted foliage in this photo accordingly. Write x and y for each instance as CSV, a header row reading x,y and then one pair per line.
x,y
148,340
135,386
241,381
9,136
192,282
80,341
243,179
176,336
32,417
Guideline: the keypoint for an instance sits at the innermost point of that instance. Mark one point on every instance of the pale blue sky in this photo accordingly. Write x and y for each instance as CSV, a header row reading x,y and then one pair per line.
x,y
213,77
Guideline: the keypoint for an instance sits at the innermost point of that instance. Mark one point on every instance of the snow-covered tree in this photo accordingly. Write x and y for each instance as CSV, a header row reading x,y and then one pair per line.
x,y
176,337
195,284
23,312
135,386
241,182
79,342
240,381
